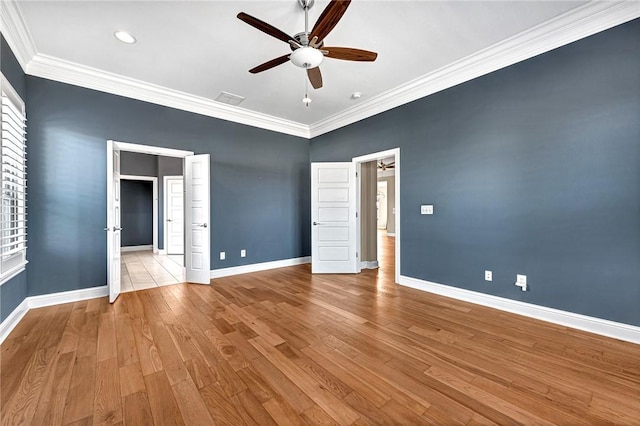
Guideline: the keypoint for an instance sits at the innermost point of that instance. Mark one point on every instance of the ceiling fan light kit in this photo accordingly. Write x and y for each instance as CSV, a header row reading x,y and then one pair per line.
x,y
308,50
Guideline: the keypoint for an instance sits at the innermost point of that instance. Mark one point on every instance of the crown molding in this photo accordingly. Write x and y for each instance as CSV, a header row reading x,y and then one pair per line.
x,y
15,31
571,26
92,78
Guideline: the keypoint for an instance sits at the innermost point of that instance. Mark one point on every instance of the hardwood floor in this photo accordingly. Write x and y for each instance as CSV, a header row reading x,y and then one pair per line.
x,y
285,347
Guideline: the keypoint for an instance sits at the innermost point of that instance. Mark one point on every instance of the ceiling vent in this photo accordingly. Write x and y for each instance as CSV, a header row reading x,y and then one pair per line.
x,y
229,98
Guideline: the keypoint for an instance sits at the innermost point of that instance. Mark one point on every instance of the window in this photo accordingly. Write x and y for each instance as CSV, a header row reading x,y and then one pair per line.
x,y
13,215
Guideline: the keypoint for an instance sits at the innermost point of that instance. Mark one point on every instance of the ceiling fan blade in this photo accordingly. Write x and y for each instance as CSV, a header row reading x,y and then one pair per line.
x,y
350,54
270,64
329,18
264,27
315,77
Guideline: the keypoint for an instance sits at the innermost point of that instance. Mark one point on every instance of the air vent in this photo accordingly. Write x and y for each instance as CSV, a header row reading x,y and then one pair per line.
x,y
229,98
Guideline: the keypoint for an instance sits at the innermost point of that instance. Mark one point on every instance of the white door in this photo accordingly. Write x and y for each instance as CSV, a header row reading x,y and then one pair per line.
x,y
113,222
197,213
174,214
333,218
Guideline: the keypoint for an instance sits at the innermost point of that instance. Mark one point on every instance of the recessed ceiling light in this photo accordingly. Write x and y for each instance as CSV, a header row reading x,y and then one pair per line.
x,y
125,37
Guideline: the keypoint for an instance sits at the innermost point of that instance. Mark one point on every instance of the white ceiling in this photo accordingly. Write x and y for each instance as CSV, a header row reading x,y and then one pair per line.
x,y
200,48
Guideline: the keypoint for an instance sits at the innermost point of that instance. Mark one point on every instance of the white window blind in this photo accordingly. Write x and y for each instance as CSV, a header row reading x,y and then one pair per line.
x,y
13,216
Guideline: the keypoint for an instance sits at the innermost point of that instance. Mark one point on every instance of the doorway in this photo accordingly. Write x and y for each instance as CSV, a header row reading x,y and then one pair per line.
x,y
196,212
379,209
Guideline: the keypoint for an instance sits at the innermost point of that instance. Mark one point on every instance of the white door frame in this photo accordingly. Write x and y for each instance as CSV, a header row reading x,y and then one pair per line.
x,y
165,209
154,181
395,152
142,149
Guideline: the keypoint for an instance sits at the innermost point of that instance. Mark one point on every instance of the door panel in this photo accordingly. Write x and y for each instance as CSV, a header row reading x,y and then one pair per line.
x,y
113,222
197,214
333,215
175,215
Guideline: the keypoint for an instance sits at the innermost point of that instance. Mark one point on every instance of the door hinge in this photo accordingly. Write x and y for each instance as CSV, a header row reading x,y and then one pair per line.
x,y
356,214
356,174
356,255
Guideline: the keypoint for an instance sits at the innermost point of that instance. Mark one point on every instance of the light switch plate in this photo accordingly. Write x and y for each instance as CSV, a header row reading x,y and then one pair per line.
x,y
426,209
243,253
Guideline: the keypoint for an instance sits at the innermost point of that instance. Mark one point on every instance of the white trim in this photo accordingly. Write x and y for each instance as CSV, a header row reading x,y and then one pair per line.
x,y
162,252
154,196
369,264
126,249
17,271
616,330
578,23
67,296
391,234
395,152
256,267
165,209
47,300
149,149
52,68
581,22
15,31
10,322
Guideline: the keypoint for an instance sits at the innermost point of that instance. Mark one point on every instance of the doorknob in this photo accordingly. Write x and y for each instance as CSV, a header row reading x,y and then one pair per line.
x,y
202,225
316,223
107,229
168,220
116,228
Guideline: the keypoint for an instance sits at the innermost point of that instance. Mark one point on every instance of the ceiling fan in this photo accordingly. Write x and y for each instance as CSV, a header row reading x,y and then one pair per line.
x,y
308,49
384,166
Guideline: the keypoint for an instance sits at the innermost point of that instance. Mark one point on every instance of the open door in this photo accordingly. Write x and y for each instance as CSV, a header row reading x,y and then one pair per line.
x,y
333,216
113,222
196,218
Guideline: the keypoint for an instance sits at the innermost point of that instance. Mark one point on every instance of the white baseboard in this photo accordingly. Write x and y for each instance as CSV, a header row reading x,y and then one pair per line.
x,y
136,248
391,234
369,264
617,330
256,267
13,319
48,300
162,252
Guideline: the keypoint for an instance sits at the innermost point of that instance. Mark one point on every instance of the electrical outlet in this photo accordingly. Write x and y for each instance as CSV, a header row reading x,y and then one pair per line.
x,y
521,281
426,209
223,255
243,253
488,276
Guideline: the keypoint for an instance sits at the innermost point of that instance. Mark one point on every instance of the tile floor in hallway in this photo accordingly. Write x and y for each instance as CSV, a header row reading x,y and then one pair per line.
x,y
144,269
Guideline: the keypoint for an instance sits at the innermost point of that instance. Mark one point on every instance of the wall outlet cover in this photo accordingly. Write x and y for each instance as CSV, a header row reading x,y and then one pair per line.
x,y
521,279
223,255
488,276
426,209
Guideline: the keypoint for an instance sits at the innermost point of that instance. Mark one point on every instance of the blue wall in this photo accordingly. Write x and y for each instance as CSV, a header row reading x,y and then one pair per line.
x,y
533,169
136,217
14,291
259,182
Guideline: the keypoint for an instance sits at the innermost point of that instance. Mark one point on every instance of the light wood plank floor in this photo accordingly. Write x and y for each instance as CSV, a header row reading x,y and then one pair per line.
x,y
286,347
